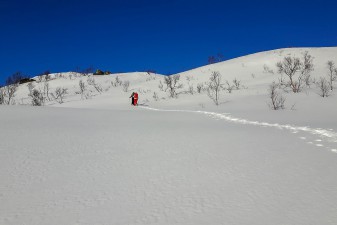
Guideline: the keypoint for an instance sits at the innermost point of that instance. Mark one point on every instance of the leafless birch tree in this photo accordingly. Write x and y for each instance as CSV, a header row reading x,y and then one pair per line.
x,y
172,85
214,87
296,70
277,100
332,73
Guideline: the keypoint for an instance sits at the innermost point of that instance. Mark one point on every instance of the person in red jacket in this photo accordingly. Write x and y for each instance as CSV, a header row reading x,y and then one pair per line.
x,y
135,99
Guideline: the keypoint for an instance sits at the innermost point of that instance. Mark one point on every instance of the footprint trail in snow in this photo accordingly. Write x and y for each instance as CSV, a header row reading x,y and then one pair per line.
x,y
328,136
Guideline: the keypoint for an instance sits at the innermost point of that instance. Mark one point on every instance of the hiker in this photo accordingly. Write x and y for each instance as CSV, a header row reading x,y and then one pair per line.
x,y
135,99
132,98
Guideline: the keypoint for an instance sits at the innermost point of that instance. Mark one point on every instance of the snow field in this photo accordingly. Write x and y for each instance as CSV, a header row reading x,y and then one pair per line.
x,y
81,166
172,161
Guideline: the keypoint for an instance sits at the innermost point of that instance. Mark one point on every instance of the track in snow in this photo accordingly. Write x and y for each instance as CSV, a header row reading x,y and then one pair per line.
x,y
328,137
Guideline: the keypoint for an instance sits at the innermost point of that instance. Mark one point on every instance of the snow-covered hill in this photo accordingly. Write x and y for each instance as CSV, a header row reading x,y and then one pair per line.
x,y
95,159
254,73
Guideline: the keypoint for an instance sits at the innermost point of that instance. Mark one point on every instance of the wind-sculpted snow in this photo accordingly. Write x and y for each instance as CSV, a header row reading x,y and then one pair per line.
x,y
141,167
328,135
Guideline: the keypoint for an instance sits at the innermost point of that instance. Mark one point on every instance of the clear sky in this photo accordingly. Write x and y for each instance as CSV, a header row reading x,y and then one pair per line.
x,y
167,36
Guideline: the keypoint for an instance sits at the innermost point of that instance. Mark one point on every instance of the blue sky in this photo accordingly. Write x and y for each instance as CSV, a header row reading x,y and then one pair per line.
x,y
167,36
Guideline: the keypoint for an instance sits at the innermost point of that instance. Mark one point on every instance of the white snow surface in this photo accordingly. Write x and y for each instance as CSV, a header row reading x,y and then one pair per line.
x,y
173,161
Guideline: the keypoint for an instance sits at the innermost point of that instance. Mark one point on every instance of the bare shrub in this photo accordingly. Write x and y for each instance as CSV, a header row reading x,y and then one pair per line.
x,y
30,87
290,66
92,82
161,86
76,74
229,87
47,76
86,71
282,82
308,80
266,69
296,70
200,87
126,85
37,98
59,94
12,83
46,88
172,85
215,59
83,89
191,89
214,87
2,96
44,76
332,73
324,87
10,93
59,75
98,88
155,96
117,82
237,84
82,86
307,68
276,99
39,79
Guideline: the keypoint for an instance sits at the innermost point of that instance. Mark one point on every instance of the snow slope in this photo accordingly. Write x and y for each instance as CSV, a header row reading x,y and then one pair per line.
x,y
172,161
81,166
